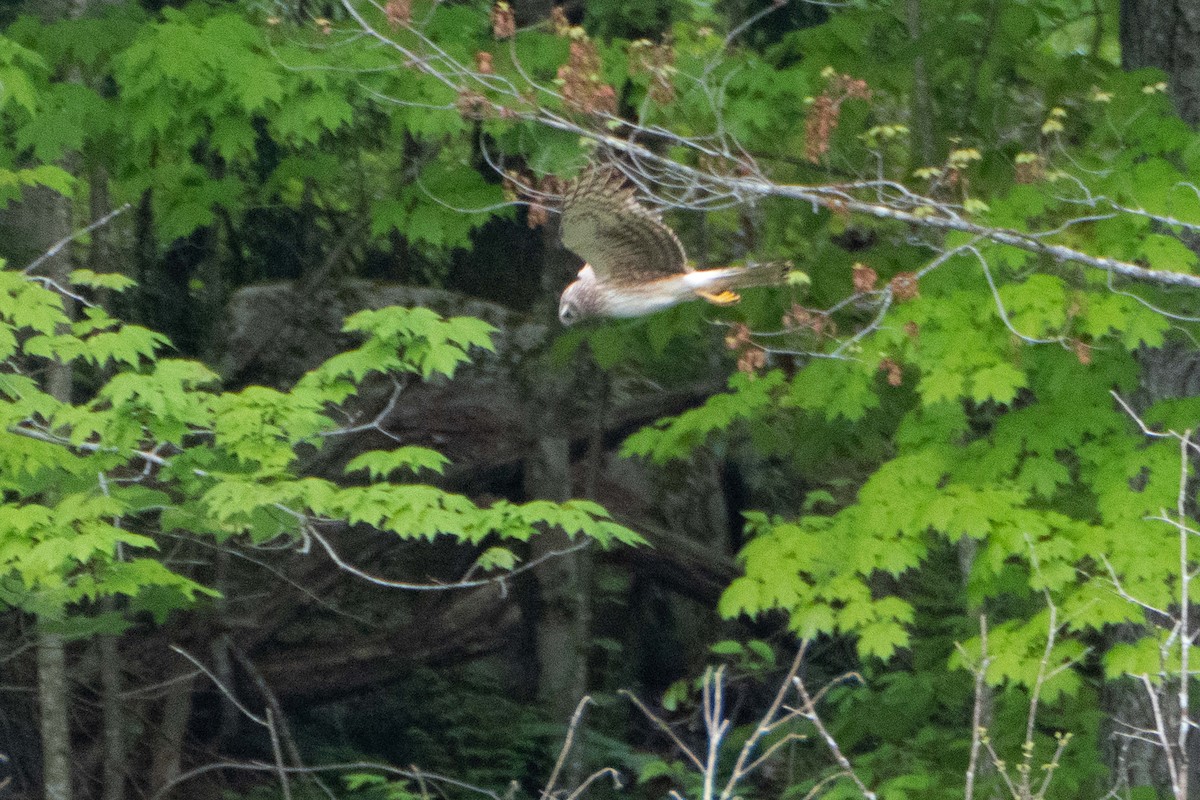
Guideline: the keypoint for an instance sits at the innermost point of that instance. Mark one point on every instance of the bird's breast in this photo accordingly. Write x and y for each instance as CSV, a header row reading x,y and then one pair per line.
x,y
637,300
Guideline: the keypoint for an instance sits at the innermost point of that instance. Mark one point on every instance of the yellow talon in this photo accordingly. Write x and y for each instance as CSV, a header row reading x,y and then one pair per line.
x,y
725,298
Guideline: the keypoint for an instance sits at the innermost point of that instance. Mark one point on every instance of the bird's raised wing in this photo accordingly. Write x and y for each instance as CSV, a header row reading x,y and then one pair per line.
x,y
624,241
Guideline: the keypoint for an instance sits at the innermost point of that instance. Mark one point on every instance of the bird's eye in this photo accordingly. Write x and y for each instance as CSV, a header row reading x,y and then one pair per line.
x,y
566,314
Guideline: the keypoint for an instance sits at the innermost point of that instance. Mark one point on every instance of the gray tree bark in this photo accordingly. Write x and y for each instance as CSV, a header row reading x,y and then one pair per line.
x,y
563,581
562,587
47,218
54,694
922,97
1165,34
166,760
112,712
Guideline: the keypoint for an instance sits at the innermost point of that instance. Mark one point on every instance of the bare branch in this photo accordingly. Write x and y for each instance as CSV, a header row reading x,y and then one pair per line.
x,y
1160,731
977,729
665,728
225,690
810,713
766,723
466,583
59,245
595,776
260,766
576,718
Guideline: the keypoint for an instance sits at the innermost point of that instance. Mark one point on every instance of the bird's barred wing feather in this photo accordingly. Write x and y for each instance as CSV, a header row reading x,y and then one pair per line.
x,y
624,241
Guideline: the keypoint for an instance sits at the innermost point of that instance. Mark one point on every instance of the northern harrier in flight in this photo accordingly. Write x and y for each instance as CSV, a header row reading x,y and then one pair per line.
x,y
636,265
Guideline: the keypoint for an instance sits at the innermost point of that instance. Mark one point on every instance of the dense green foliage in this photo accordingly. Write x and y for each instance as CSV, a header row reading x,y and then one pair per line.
x,y
92,486
1006,480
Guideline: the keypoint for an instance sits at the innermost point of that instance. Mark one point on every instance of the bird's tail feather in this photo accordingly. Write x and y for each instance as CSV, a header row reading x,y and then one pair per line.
x,y
715,281
773,273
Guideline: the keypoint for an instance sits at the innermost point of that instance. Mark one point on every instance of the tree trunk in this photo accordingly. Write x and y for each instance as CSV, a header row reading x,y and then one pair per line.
x,y
563,616
1165,34
562,583
113,716
168,745
47,220
922,97
54,694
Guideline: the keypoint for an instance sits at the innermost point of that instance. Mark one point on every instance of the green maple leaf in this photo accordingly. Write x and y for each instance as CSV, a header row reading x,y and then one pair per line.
x,y
809,621
496,558
941,385
882,639
1043,475
381,463
998,382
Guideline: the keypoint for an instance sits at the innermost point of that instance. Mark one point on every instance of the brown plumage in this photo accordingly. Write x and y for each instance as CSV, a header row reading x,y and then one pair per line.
x,y
635,264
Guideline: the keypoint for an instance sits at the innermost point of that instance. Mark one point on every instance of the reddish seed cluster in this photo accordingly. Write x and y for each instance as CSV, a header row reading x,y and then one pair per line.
x,y
819,125
904,286
582,88
483,63
471,104
751,357
864,279
559,24
895,375
657,61
662,90
398,13
825,112
537,216
752,360
516,187
1031,170
738,336
851,88
504,21
800,317
1083,351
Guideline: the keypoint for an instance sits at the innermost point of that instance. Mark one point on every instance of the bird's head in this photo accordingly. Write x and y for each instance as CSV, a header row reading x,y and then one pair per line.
x,y
578,299
568,309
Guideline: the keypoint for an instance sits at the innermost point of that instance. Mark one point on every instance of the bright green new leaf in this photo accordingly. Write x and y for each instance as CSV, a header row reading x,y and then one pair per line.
x,y
382,463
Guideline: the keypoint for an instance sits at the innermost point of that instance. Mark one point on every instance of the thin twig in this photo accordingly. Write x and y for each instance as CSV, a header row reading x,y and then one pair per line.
x,y
765,724
810,713
277,751
262,766
1160,731
576,719
501,580
665,728
221,687
595,776
977,730
712,705
1185,614
61,243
